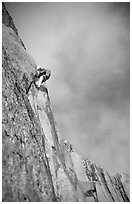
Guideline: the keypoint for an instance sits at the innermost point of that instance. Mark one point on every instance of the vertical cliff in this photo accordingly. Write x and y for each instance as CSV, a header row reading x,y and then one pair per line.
x,y
37,164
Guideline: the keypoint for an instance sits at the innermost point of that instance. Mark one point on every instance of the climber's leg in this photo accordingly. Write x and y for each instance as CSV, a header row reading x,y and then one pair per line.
x,y
39,82
27,91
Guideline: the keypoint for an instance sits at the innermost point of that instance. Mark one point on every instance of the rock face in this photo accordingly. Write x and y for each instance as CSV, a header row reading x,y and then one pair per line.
x,y
37,164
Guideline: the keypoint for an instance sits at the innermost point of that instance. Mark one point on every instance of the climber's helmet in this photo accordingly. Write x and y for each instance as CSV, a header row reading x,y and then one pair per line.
x,y
38,67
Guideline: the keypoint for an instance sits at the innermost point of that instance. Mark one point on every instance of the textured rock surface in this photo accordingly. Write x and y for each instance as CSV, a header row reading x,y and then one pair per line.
x,y
37,164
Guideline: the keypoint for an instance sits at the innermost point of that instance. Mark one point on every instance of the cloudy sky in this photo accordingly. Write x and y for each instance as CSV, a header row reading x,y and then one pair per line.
x,y
86,46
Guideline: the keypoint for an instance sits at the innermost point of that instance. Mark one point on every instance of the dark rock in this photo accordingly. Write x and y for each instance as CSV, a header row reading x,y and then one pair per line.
x,y
7,19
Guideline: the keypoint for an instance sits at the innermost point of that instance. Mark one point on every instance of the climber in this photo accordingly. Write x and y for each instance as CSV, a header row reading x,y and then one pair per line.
x,y
40,77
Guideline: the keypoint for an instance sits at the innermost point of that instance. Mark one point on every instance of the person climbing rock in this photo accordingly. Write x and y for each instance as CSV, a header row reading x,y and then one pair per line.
x,y
40,77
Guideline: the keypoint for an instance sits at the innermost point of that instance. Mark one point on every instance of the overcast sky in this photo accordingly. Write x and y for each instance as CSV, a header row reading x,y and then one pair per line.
x,y
86,46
